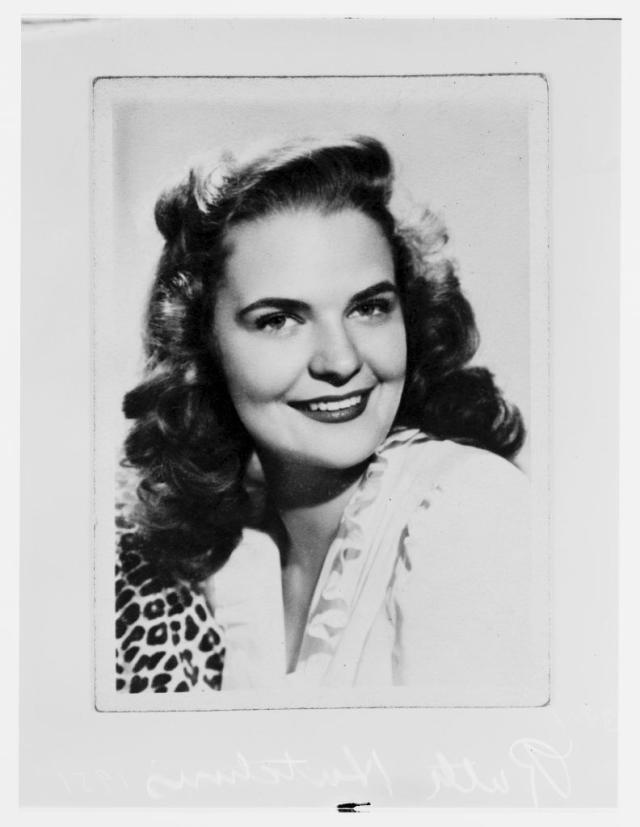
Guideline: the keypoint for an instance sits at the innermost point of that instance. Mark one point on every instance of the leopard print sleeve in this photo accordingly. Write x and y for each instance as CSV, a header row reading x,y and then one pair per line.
x,y
167,639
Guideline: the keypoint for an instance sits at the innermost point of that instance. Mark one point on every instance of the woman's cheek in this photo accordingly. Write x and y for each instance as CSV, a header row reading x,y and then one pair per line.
x,y
386,353
263,372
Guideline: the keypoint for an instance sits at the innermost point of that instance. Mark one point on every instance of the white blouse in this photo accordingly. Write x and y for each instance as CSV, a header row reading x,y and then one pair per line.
x,y
429,582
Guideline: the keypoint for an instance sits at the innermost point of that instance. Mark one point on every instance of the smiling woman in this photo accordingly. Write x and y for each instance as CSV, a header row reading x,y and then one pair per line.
x,y
324,492
308,321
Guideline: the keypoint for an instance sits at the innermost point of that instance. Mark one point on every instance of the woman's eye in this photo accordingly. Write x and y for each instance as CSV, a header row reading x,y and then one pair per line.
x,y
276,323
375,307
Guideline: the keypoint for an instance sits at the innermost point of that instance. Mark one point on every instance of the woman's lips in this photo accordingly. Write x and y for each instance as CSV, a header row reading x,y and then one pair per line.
x,y
334,408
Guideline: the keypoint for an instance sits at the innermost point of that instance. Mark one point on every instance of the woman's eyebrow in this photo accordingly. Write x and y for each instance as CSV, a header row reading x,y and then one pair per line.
x,y
282,304
297,306
374,290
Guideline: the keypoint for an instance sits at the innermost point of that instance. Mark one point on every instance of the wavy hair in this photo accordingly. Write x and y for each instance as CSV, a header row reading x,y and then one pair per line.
x,y
187,442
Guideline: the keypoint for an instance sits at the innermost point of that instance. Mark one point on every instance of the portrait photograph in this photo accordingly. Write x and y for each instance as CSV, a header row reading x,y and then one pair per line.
x,y
316,320
319,442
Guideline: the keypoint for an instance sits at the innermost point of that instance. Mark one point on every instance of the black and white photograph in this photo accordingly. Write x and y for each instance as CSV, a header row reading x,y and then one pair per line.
x,y
319,439
324,480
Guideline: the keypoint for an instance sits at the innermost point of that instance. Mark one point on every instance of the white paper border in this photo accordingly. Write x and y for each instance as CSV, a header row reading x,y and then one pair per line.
x,y
60,730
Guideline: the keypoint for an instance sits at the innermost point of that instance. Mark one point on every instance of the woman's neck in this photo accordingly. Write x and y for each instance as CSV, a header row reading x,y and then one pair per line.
x,y
309,503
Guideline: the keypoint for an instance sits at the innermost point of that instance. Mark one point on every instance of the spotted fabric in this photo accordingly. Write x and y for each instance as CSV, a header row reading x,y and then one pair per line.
x,y
167,639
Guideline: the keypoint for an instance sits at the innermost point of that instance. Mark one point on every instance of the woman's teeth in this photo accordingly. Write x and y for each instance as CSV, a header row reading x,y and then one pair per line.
x,y
335,406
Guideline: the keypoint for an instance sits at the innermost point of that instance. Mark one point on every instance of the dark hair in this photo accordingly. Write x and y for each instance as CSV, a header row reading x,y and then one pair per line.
x,y
189,446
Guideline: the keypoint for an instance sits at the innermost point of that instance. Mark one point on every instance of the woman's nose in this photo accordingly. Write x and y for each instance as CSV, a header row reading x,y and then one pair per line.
x,y
335,359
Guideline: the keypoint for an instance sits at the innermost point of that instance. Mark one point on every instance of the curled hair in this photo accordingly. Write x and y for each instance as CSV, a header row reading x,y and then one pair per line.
x,y
187,442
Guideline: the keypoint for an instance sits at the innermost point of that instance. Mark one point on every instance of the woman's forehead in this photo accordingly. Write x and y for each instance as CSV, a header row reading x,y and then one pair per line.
x,y
306,251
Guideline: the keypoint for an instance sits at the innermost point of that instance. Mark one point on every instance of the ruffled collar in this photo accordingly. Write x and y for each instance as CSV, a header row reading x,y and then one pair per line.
x,y
344,565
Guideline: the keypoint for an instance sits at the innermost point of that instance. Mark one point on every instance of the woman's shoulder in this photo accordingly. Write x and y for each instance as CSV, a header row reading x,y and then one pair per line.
x,y
464,467
470,518
470,490
468,571
166,636
167,640
455,470
467,504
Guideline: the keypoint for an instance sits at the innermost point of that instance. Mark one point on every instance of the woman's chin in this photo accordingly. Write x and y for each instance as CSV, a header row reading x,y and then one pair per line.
x,y
337,457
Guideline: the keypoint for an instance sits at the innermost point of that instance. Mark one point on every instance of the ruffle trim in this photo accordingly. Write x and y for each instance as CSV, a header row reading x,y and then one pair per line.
x,y
332,610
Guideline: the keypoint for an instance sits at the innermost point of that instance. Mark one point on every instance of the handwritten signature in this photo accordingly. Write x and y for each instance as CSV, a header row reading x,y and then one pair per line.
x,y
274,771
539,765
545,766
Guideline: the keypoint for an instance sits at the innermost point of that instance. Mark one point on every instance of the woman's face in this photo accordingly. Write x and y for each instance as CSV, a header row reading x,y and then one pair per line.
x,y
310,335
